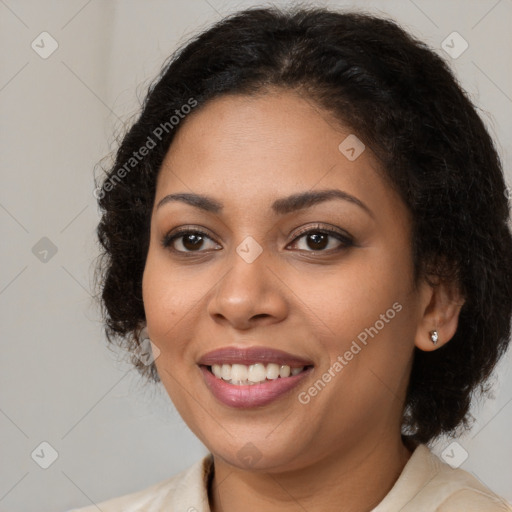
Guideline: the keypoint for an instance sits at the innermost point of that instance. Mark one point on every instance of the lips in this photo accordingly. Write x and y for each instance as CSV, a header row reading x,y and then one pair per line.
x,y
252,355
258,393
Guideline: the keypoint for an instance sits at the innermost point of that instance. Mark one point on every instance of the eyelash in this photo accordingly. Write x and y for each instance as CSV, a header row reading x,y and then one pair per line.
x,y
346,240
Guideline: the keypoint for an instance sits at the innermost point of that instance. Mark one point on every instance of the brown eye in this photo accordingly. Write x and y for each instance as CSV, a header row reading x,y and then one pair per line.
x,y
192,241
318,240
187,241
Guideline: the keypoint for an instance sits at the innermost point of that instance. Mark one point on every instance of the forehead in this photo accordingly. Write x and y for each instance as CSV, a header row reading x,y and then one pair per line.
x,y
248,148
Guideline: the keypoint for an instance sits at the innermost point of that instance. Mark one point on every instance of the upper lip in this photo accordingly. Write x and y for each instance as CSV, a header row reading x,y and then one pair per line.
x,y
252,355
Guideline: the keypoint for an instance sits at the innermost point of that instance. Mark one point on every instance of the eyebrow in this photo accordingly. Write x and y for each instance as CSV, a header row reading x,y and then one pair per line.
x,y
280,206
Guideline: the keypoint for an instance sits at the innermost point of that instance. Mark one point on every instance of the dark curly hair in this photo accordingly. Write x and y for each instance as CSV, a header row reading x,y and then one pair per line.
x,y
402,100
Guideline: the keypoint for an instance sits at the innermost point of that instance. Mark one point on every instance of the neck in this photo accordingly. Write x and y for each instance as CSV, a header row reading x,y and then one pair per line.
x,y
352,482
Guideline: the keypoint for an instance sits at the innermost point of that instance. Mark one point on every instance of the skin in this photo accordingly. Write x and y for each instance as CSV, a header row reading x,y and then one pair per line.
x,y
344,446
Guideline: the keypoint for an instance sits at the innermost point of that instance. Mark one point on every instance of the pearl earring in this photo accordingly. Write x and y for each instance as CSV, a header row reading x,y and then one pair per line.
x,y
434,337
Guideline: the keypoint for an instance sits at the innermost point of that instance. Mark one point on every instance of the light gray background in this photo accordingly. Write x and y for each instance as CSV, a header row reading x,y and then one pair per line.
x,y
58,381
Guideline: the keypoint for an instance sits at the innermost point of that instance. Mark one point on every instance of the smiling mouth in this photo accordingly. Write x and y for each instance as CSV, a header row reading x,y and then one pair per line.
x,y
258,373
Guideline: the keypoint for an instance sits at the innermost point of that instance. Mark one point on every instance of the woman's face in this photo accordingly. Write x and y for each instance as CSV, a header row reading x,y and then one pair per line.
x,y
341,304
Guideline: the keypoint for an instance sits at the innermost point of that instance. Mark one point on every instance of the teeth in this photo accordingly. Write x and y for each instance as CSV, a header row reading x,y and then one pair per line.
x,y
217,370
284,371
272,371
257,373
238,372
243,375
226,371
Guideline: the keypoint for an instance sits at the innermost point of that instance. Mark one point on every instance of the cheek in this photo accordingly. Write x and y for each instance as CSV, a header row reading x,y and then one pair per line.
x,y
165,301
369,309
166,307
378,335
169,307
354,296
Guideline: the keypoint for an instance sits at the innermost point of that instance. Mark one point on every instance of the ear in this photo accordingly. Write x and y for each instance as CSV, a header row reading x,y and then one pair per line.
x,y
442,302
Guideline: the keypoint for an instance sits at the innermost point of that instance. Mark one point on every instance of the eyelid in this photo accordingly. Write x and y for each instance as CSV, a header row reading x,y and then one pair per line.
x,y
345,239
173,235
324,228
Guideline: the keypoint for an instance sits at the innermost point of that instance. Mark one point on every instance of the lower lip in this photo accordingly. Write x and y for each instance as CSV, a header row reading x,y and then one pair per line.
x,y
252,395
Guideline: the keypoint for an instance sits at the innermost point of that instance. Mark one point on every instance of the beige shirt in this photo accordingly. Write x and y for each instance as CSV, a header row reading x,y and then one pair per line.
x,y
426,484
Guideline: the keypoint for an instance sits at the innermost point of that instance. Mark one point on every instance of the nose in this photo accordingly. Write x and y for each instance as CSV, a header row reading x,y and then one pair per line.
x,y
248,295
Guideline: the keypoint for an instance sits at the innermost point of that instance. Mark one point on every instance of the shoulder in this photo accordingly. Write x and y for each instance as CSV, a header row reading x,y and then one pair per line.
x,y
463,491
474,500
428,484
184,491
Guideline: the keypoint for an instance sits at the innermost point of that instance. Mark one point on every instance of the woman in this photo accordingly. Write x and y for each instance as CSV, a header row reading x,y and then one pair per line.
x,y
309,222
